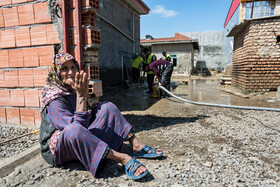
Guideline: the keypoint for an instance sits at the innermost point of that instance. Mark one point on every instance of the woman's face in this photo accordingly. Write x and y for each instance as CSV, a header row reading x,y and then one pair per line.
x,y
68,71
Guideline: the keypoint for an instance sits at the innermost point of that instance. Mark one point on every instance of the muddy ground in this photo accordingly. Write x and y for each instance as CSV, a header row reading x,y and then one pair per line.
x,y
203,146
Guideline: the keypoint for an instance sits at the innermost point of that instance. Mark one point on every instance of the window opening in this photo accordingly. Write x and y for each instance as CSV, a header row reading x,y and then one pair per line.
x,y
261,9
174,59
278,39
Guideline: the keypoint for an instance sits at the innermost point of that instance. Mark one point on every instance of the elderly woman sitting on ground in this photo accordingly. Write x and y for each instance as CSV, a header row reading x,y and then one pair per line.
x,y
69,132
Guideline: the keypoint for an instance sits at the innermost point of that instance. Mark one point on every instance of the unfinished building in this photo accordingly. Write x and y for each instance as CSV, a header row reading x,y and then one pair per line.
x,y
181,49
256,54
252,44
32,31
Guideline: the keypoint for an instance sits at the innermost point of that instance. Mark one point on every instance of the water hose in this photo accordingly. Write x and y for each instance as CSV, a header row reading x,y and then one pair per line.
x,y
220,105
30,133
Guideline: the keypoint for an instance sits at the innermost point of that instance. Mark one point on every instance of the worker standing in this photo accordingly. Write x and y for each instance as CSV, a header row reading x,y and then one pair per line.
x,y
136,65
166,56
163,71
150,57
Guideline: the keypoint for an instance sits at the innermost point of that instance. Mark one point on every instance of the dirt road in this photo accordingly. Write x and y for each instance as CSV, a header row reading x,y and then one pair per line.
x,y
203,146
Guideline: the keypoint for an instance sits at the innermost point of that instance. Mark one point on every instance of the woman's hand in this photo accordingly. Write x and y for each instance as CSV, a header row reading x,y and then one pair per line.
x,y
155,79
80,86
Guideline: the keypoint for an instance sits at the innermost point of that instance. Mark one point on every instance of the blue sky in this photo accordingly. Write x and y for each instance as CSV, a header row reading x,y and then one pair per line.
x,y
169,16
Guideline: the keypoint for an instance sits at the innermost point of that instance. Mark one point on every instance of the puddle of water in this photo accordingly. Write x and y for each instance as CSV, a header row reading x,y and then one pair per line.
x,y
199,90
208,91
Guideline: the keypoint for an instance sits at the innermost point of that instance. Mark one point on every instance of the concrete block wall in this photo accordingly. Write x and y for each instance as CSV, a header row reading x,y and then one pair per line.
x,y
184,54
30,35
256,56
120,25
211,46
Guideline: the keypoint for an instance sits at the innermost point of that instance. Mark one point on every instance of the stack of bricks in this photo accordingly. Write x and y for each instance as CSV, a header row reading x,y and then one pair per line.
x,y
91,40
256,56
28,40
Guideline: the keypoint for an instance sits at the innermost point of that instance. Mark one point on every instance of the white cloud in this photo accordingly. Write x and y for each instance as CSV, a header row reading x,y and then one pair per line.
x,y
160,10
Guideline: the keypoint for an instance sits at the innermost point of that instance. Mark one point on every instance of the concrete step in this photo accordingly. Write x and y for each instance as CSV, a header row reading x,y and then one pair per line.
x,y
8,165
226,78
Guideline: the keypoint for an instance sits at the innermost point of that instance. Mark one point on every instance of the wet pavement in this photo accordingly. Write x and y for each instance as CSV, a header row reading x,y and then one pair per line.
x,y
198,90
208,90
132,98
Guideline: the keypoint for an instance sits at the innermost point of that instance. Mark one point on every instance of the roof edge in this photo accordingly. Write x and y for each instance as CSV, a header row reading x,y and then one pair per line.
x,y
233,7
193,41
139,6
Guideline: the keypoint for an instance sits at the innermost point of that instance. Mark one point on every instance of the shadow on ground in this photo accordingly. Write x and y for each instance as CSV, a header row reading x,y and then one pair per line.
x,y
149,122
139,123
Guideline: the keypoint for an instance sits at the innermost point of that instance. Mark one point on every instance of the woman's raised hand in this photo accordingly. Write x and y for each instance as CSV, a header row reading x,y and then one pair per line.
x,y
80,86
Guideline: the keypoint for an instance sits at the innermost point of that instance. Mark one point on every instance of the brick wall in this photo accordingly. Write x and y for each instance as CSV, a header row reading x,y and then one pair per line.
x,y
29,38
27,44
256,56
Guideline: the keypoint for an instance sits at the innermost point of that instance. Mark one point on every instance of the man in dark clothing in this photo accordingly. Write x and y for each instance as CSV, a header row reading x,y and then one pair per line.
x,y
150,57
163,70
166,56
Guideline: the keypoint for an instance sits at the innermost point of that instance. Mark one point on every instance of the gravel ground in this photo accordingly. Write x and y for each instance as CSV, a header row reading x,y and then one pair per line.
x,y
203,146
16,146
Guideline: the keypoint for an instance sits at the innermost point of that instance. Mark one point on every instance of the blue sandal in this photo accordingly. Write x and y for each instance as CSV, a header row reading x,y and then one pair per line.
x,y
131,166
143,153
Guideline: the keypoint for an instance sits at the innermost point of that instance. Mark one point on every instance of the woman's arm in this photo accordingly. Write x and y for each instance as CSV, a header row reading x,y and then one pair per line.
x,y
155,79
80,86
60,115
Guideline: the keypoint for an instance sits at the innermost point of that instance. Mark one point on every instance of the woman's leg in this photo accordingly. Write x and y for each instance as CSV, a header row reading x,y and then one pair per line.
x,y
109,125
78,143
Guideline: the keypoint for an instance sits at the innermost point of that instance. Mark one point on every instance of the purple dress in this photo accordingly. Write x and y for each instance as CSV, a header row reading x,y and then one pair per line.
x,y
84,137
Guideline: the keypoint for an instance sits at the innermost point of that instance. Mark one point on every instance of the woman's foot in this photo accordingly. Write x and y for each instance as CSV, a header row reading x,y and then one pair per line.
x,y
137,146
123,159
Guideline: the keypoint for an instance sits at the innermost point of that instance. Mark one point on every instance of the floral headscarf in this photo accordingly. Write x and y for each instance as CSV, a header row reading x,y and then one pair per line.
x,y
54,87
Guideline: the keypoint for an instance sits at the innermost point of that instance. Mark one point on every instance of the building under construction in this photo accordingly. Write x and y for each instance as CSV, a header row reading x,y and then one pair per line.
x,y
255,27
32,31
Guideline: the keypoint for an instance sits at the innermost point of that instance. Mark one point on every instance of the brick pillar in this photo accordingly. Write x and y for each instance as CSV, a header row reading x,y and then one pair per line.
x,y
91,41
